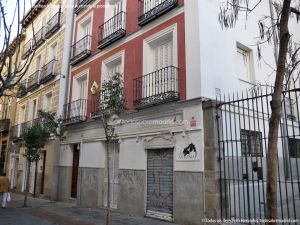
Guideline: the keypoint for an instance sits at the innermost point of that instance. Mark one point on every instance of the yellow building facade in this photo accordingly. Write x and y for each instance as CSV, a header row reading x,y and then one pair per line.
x,y
44,26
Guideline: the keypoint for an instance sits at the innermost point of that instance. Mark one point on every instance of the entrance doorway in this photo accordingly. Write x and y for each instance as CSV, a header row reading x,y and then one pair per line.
x,y
76,154
160,183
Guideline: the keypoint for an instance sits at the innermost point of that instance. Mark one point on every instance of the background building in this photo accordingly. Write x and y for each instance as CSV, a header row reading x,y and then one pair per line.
x,y
45,26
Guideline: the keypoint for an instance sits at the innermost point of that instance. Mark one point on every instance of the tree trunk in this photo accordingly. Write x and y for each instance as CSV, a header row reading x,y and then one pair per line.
x,y
35,178
27,183
108,184
272,160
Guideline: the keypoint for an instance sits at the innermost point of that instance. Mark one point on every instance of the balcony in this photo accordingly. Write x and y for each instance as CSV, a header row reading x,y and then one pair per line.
x,y
81,49
156,88
53,25
4,125
22,88
18,130
151,9
95,106
81,5
27,49
33,81
39,38
112,30
48,72
75,112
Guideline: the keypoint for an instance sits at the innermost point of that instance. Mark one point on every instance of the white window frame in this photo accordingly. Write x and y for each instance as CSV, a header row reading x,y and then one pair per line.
x,y
108,14
22,118
51,102
249,52
149,42
80,31
30,108
110,60
76,79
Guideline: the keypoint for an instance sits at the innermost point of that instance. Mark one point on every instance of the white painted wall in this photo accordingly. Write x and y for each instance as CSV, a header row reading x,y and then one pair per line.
x,y
66,155
132,155
92,155
216,65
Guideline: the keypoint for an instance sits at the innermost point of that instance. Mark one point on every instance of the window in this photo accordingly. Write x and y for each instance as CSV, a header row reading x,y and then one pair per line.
x,y
52,52
163,54
243,63
294,148
22,114
48,102
251,143
38,62
113,65
80,87
84,29
115,7
33,109
160,60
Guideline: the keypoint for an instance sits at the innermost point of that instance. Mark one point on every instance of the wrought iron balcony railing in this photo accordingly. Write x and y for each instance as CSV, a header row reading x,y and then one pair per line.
x,y
81,49
22,88
81,5
53,24
39,38
151,9
156,88
4,125
48,72
27,49
112,30
33,81
18,130
75,112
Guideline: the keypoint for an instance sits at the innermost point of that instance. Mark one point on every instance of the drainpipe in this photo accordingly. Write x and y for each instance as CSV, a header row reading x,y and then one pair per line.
x,y
65,68
64,79
284,120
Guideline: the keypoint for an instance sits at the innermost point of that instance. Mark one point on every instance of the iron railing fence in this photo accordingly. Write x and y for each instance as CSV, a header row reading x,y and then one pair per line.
x,y
39,38
81,49
33,81
48,71
112,30
158,87
19,129
53,24
75,111
150,9
243,126
27,49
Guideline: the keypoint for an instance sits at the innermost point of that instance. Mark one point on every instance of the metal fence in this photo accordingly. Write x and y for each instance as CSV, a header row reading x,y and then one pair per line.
x,y
243,126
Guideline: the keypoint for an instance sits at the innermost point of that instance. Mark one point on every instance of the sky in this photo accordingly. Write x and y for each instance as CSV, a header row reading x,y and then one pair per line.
x,y
9,8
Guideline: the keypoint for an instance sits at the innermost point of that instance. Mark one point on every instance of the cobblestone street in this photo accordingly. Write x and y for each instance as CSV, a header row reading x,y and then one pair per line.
x,y
43,212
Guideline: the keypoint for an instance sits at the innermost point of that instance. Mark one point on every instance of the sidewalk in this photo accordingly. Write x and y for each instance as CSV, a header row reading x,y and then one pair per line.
x,y
44,212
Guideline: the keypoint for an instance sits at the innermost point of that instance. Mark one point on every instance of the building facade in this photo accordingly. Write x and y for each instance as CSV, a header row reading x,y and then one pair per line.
x,y
44,25
145,41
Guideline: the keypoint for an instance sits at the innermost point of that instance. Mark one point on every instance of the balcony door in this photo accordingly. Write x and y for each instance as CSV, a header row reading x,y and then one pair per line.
x,y
83,37
150,4
159,80
79,94
115,22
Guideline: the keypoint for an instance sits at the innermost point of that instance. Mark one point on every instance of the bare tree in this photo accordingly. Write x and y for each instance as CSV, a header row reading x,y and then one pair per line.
x,y
12,66
276,28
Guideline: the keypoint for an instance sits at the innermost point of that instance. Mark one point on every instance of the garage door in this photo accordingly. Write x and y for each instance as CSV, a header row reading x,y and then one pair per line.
x,y
160,183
